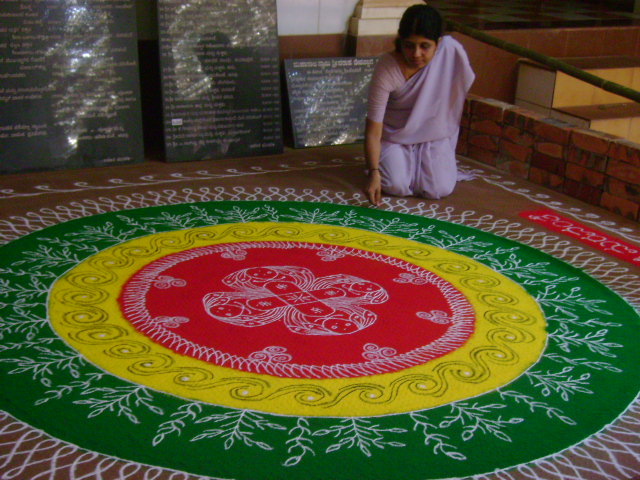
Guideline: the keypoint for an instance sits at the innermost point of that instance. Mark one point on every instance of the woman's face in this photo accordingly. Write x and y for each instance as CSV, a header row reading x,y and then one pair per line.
x,y
417,50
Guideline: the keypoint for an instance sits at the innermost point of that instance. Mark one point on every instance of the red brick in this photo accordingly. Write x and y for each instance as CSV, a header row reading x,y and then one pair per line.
x,y
590,141
483,109
550,149
550,164
463,142
516,169
521,118
517,136
623,189
482,155
619,205
587,159
553,131
486,126
511,151
466,110
584,175
582,192
546,179
483,141
624,171
625,151
465,121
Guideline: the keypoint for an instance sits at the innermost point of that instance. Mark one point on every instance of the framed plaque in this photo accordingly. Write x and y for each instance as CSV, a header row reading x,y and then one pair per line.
x,y
220,78
69,85
328,99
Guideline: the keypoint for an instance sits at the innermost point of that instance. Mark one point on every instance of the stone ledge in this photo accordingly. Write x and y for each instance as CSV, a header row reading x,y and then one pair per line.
x,y
600,169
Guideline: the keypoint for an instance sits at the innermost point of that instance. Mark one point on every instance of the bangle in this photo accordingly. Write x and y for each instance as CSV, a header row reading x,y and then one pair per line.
x,y
374,169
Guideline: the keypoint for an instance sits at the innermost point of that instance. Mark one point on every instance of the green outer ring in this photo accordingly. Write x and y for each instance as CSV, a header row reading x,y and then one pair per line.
x,y
542,432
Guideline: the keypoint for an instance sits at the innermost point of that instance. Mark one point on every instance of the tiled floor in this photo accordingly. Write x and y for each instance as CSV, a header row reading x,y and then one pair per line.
x,y
29,202
496,14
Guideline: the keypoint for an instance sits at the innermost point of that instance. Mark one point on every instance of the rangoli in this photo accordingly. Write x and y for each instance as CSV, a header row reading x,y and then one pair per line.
x,y
257,340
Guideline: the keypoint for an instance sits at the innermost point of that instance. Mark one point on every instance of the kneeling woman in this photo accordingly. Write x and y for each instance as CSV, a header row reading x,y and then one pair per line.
x,y
415,104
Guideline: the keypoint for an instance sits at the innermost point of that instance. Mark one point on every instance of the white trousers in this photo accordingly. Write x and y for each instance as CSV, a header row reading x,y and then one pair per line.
x,y
424,169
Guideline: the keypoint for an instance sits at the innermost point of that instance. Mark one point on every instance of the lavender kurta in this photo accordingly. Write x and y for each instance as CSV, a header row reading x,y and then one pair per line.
x,y
421,120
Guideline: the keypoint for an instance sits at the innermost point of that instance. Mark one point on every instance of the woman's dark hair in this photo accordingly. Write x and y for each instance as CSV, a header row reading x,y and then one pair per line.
x,y
421,20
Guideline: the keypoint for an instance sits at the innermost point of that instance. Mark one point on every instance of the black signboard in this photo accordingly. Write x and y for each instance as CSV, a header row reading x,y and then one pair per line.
x,y
328,99
220,78
69,84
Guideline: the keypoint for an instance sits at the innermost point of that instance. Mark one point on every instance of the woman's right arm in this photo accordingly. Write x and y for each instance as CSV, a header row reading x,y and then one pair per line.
x,y
379,90
372,140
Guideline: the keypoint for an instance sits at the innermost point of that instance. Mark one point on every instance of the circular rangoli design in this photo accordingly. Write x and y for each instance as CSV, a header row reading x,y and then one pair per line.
x,y
293,336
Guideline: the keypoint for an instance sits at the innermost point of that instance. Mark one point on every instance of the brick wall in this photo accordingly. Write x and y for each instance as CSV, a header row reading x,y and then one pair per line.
x,y
594,167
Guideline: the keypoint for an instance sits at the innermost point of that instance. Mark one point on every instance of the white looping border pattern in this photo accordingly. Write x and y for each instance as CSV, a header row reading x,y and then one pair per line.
x,y
34,455
199,175
612,454
578,213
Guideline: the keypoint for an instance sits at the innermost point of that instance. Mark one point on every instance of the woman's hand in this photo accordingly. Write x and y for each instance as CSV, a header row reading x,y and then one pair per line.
x,y
372,137
374,187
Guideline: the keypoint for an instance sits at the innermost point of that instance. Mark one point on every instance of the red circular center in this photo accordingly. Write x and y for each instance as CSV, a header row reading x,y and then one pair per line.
x,y
297,309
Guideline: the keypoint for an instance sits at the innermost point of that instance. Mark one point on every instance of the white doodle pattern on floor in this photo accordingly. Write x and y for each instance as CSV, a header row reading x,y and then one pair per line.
x,y
591,459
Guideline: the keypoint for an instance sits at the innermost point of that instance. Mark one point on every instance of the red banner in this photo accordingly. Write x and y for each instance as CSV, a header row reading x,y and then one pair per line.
x,y
593,238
